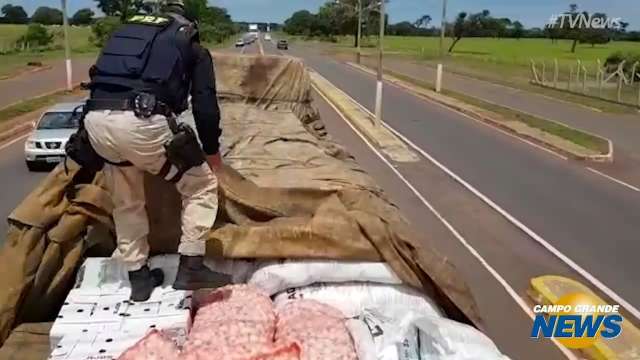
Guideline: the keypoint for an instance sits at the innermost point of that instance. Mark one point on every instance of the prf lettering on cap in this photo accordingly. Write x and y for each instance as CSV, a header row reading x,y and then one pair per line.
x,y
148,20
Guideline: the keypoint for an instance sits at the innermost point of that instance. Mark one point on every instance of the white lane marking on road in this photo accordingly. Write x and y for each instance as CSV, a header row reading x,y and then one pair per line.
x,y
523,305
579,269
7,144
620,182
540,147
260,46
521,139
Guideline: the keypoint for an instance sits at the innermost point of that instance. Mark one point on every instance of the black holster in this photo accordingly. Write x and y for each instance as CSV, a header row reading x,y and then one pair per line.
x,y
79,148
183,150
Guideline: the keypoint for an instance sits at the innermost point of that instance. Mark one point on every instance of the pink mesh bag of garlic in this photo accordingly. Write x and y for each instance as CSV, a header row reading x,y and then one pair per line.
x,y
154,346
318,329
236,322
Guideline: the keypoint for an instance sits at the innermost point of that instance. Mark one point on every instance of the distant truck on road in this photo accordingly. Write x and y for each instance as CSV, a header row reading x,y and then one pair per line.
x,y
253,30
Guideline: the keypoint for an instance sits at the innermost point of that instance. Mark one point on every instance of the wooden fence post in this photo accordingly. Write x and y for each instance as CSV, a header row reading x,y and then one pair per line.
x,y
620,87
570,78
555,73
584,80
633,71
621,78
578,71
534,73
544,72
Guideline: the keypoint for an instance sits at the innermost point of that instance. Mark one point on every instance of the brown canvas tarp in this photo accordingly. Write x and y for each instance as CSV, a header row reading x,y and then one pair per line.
x,y
288,192
27,342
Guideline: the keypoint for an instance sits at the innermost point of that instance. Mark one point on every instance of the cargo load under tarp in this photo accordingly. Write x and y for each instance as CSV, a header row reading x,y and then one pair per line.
x,y
288,192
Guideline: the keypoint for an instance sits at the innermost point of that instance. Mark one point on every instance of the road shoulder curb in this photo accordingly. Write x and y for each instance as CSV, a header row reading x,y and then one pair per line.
x,y
21,124
391,145
471,111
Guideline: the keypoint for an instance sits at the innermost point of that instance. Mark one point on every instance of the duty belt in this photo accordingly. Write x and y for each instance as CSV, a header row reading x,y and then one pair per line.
x,y
124,105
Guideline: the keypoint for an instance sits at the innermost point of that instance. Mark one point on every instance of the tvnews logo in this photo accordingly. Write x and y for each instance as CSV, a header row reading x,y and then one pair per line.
x,y
583,21
576,321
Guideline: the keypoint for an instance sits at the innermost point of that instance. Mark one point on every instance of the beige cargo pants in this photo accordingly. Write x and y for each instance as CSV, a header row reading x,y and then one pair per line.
x,y
120,136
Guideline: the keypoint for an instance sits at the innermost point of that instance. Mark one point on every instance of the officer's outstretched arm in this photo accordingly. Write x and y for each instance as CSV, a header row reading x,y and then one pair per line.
x,y
206,111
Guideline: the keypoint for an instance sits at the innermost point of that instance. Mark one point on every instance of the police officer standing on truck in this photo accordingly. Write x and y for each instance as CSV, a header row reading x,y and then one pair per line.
x,y
142,78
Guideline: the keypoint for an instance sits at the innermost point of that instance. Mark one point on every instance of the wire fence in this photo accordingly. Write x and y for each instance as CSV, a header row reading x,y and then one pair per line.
x,y
618,83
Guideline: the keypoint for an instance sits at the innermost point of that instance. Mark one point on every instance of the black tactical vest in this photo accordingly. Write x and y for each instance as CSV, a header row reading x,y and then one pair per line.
x,y
151,54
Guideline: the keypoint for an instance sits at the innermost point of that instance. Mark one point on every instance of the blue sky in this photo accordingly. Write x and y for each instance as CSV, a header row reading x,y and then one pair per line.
x,y
530,12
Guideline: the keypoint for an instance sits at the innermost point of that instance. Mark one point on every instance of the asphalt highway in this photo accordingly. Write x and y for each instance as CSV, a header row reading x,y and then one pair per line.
x,y
580,224
591,219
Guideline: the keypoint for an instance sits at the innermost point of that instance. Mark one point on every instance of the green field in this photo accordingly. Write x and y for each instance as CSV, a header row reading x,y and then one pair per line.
x,y
11,63
506,61
488,52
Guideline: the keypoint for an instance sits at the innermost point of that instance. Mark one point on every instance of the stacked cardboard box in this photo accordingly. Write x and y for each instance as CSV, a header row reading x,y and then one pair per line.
x,y
98,321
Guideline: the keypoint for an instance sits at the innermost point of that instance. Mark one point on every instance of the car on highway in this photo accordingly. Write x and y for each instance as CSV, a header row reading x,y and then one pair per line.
x,y
283,45
267,37
240,43
45,145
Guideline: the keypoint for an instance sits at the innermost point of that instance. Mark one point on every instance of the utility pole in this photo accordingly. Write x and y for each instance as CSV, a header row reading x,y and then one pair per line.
x,y
380,54
359,30
67,49
443,26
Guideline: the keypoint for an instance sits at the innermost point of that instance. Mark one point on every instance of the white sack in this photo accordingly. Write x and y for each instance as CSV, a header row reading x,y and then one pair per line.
x,y
273,277
377,337
445,339
353,298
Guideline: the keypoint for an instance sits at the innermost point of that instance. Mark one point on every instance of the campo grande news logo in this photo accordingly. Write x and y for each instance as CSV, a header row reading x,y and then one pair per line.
x,y
576,321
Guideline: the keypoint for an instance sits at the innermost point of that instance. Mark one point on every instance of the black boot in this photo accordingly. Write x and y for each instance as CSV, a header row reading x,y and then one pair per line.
x,y
143,281
193,275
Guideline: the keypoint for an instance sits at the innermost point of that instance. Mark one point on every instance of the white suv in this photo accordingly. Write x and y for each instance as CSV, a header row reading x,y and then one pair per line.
x,y
46,143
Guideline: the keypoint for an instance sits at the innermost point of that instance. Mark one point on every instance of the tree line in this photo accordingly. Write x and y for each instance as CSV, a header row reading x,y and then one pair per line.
x,y
335,18
44,15
215,23
340,18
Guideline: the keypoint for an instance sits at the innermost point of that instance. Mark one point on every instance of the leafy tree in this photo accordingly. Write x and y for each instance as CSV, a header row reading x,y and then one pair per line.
x,y
595,36
82,17
460,29
36,35
404,28
299,23
423,21
121,8
517,30
195,9
478,24
47,16
564,29
103,28
500,26
14,14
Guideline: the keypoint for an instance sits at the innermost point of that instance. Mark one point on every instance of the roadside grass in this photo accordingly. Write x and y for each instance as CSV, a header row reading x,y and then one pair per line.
x,y
507,62
573,135
17,61
27,106
221,45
